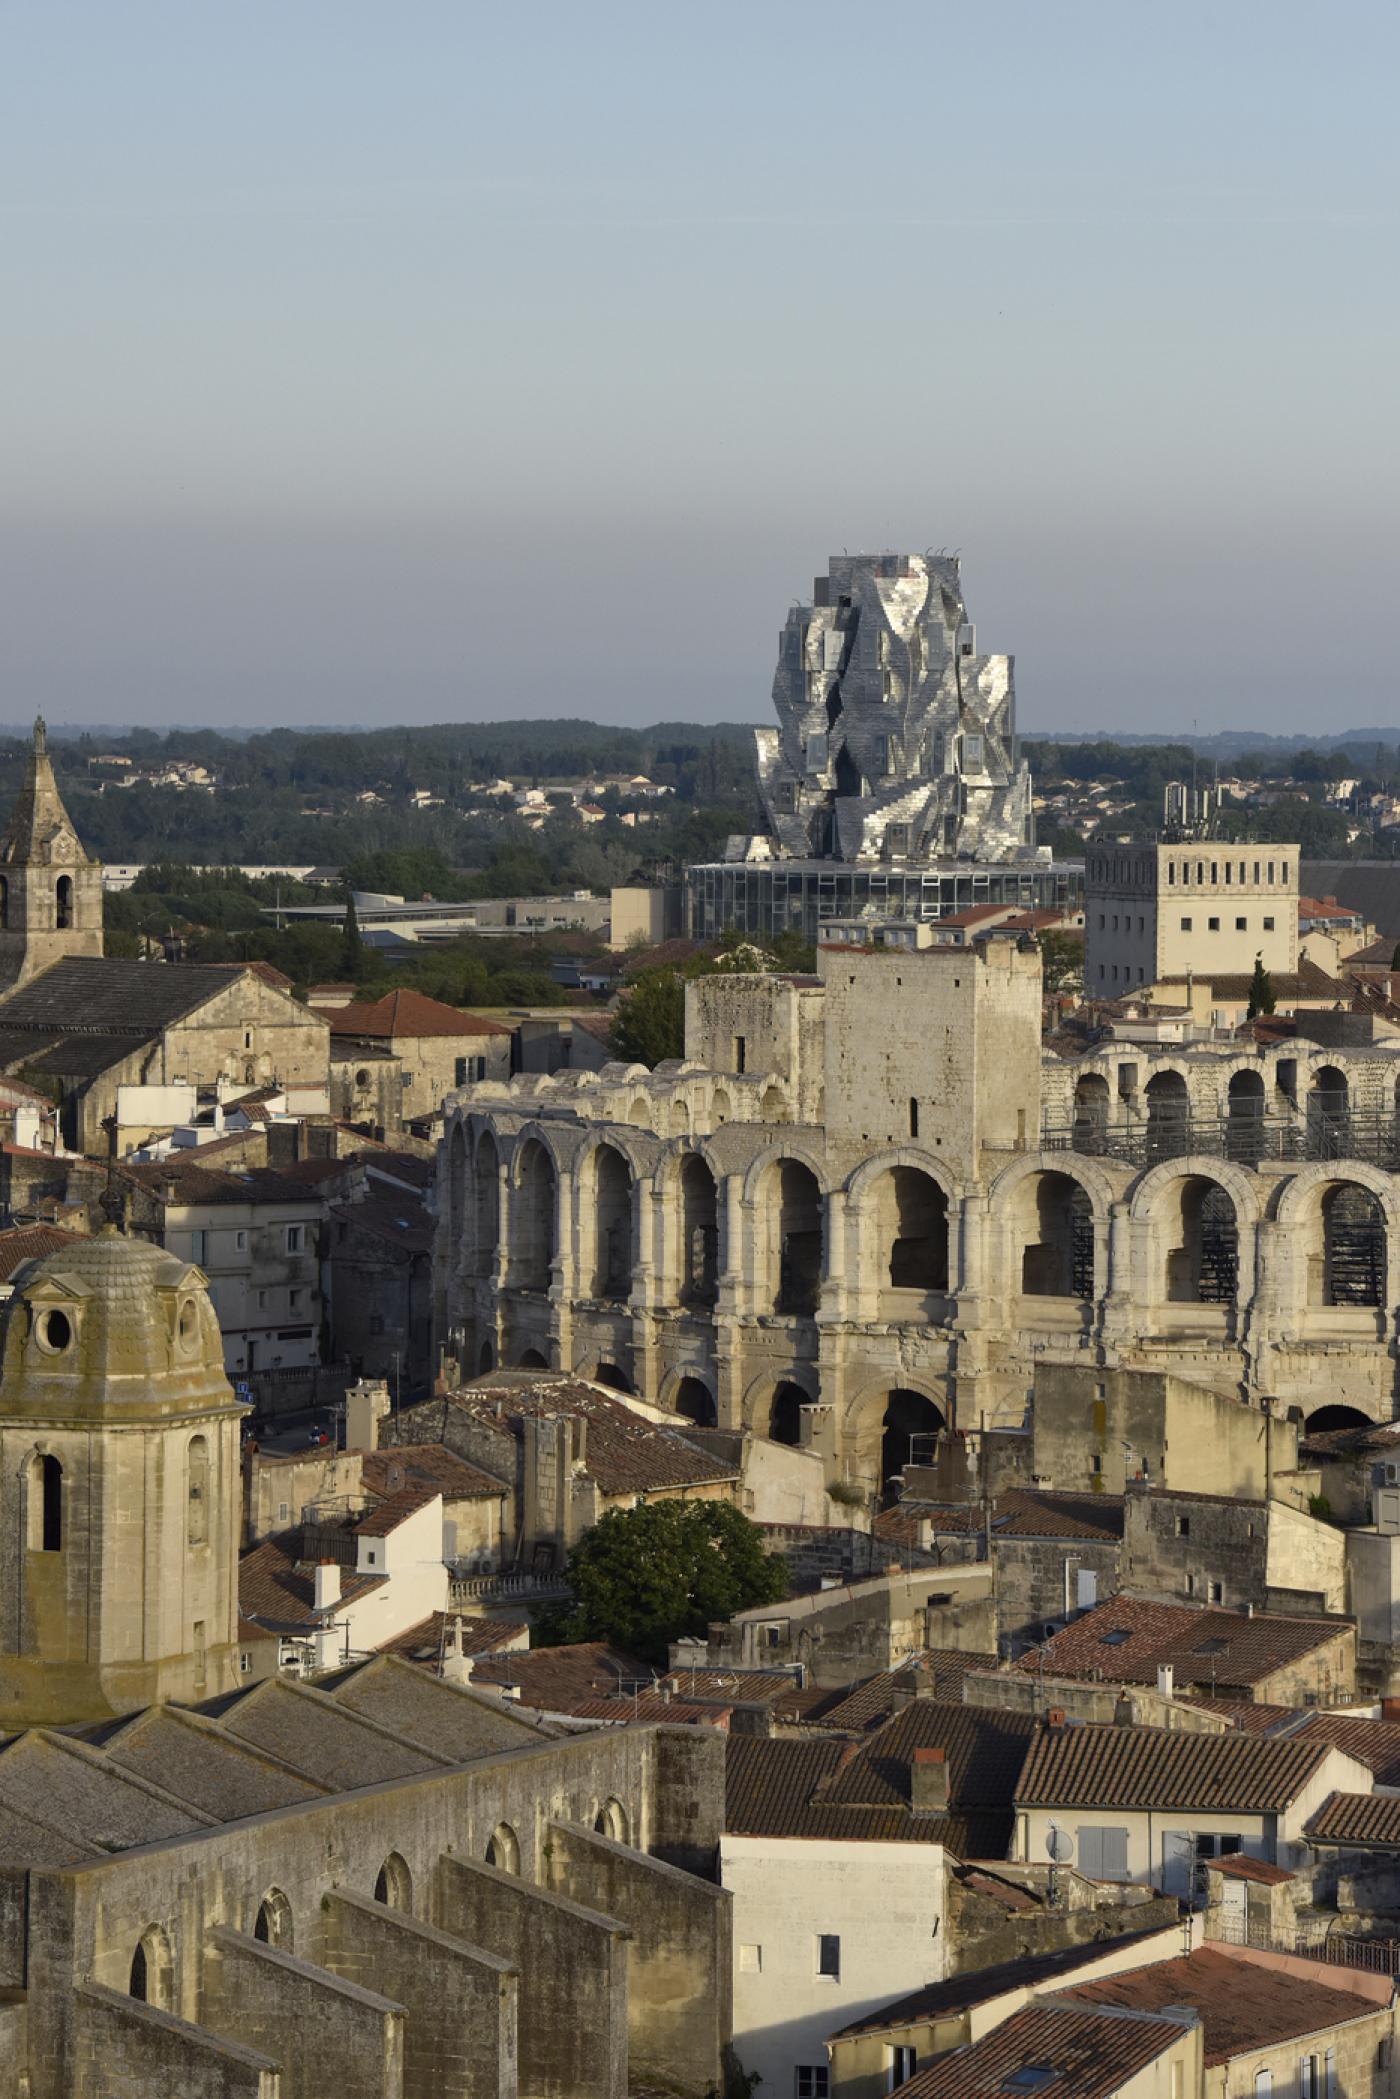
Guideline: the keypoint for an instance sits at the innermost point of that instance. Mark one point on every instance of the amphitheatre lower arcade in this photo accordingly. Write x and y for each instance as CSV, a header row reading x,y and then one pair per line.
x,y
779,1234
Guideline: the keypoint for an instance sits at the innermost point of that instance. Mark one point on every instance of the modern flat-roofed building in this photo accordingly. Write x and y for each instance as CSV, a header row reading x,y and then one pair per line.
x,y
1200,907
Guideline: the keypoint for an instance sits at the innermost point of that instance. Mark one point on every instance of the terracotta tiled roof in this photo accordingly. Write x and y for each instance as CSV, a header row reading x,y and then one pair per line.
x,y
396,1509
626,1453
1155,1767
960,1993
1357,1818
1244,2002
276,1587
427,1465
984,1750
406,1013
646,1707
194,1184
938,1673
425,1641
30,1242
1374,1743
1126,1639
1235,1866
557,1677
1021,1512
1091,2057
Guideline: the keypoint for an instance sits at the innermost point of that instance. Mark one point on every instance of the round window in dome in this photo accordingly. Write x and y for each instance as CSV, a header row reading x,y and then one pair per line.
x,y
55,1331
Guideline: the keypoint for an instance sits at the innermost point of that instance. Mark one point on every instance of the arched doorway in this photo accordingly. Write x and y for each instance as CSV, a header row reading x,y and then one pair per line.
x,y
695,1401
1244,1118
610,1375
1203,1250
531,1359
532,1218
486,1206
1329,1113
1056,1233
797,1284
1353,1252
699,1233
911,1422
1090,1112
785,1413
911,1222
612,1224
1168,1115
1324,1420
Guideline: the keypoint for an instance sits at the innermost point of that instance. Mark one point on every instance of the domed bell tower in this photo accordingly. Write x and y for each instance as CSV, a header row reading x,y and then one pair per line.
x,y
119,1487
50,892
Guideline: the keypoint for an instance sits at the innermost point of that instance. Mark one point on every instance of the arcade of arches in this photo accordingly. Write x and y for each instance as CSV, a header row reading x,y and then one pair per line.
x,y
746,1280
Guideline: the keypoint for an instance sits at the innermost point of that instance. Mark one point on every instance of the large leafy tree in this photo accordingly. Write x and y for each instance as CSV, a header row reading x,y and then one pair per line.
x,y
643,1577
649,1024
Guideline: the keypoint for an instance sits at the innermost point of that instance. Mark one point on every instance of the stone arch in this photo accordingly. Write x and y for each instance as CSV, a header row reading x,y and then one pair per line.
x,y
531,1359
678,1120
152,1976
533,1226
639,1114
1052,1223
394,1883
762,1392
792,1199
197,1490
486,1205
907,1209
63,903
719,1104
1203,1243
274,1924
613,1376
891,1425
773,1107
699,1216
44,1502
503,1849
1329,1112
486,1358
1246,1105
785,1412
1167,1098
456,1192
1323,1420
611,1820
694,1399
610,1184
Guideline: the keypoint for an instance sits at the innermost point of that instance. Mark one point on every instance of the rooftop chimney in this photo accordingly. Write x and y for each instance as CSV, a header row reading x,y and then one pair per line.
x,y
928,1782
1055,1716
327,1590
1166,1680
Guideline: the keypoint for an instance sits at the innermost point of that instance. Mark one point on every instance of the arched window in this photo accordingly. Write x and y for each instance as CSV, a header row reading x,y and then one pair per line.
x,y
63,902
615,1378
486,1206
1244,1128
785,1413
1091,1112
1056,1230
197,1463
274,1921
611,1821
612,1224
456,1192
911,1213
1329,1114
1168,1116
487,1358
45,1498
151,1978
503,1849
394,1884
911,1423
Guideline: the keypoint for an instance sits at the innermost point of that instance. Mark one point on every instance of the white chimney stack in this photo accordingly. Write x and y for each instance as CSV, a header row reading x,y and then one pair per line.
x,y
1166,1677
327,1584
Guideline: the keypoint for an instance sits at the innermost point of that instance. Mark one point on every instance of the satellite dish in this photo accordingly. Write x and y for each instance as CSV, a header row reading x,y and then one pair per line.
x,y
1059,1845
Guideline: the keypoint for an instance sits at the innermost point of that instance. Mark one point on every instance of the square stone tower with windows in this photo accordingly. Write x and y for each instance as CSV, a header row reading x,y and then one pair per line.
x,y
50,891
937,1049
1198,908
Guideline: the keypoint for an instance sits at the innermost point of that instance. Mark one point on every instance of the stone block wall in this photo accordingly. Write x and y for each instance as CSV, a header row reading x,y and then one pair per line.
x,y
461,2037
329,2036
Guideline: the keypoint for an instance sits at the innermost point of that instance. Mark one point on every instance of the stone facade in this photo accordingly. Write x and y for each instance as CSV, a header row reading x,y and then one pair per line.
x,y
868,1207
896,740
1154,911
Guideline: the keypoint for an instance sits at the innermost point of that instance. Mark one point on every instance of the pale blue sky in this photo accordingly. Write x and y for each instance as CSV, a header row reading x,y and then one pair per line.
x,y
425,361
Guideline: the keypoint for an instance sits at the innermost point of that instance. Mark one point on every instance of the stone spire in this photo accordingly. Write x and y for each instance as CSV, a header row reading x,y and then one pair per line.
x,y
50,891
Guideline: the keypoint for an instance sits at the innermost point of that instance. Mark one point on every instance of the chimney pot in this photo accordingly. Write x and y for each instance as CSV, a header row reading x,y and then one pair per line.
x,y
1166,1679
1055,1717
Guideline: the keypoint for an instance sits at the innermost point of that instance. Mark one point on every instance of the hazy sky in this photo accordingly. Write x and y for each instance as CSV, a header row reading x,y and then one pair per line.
x,y
434,360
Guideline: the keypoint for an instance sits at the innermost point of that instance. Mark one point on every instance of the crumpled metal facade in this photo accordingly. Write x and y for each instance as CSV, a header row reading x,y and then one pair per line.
x,y
895,739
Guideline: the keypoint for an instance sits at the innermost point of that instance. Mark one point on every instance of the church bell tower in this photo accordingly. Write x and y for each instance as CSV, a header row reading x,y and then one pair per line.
x,y
50,892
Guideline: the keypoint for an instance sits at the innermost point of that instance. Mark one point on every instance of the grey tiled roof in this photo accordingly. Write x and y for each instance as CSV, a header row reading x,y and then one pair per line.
x,y
103,996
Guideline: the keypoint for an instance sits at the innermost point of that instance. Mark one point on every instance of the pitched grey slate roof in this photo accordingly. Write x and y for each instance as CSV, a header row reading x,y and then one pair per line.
x,y
103,996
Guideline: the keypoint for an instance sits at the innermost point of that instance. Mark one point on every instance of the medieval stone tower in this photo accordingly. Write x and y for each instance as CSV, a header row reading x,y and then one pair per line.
x,y
50,892
119,1485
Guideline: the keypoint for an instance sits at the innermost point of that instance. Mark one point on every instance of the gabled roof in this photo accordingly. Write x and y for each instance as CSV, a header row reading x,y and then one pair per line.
x,y
1128,1638
1160,1768
427,1465
1245,2001
959,1993
1090,2055
405,1013
92,995
625,1454
554,1678
1360,1819
277,1588
30,1242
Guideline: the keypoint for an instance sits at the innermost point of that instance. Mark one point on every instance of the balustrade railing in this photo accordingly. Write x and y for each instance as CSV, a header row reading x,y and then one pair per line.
x,y
1246,1140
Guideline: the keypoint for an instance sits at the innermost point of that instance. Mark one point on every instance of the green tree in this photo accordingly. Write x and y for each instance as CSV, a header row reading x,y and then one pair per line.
x,y
1261,990
352,947
663,1571
1061,957
649,1024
